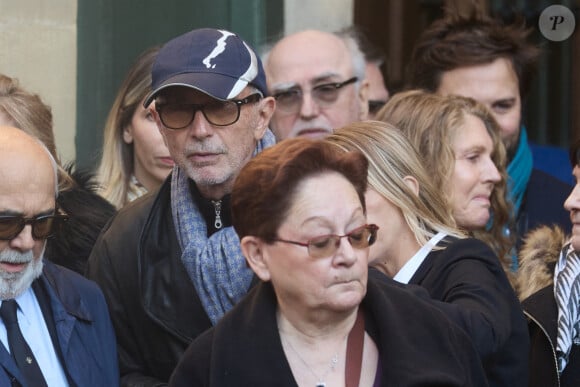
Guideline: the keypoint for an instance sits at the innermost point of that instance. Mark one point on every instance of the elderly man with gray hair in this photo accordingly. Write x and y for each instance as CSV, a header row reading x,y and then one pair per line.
x,y
318,81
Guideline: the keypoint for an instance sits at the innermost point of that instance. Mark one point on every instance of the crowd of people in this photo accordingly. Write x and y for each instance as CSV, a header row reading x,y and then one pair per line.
x,y
283,219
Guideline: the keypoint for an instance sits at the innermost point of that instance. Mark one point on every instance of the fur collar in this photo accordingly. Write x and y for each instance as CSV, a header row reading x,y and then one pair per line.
x,y
538,257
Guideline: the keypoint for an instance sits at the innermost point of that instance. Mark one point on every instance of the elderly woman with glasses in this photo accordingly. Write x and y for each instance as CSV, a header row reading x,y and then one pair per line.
x,y
315,318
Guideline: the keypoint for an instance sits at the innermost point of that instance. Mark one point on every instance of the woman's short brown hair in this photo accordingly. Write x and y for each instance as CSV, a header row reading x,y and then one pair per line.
x,y
264,190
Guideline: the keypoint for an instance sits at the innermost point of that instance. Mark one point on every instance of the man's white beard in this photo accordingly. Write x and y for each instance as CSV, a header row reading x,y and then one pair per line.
x,y
14,284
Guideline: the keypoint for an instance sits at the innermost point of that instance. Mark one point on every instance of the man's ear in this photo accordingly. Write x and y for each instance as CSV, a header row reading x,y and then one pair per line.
x,y
412,183
252,248
363,97
267,106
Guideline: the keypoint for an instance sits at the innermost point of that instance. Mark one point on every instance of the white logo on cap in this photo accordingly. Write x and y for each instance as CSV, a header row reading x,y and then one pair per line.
x,y
219,48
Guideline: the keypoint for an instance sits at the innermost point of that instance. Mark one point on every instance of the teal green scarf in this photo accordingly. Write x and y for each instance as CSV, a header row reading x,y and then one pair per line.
x,y
519,171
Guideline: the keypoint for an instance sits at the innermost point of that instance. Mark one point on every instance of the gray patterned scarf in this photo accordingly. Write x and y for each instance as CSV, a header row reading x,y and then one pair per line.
x,y
215,265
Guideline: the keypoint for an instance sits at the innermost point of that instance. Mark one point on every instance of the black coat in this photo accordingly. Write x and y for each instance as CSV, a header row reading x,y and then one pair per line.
x,y
418,345
474,292
542,313
535,283
154,306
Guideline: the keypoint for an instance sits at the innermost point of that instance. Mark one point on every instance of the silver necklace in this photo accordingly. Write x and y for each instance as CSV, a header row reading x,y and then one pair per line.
x,y
331,367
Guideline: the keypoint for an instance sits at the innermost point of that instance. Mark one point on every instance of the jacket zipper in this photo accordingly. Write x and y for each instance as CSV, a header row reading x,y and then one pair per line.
x,y
217,206
549,341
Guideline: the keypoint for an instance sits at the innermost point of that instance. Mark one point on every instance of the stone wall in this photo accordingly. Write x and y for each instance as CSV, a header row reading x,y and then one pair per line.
x,y
38,46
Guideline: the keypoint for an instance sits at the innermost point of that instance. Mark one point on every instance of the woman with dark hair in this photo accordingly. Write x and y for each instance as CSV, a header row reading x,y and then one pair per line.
x,y
315,318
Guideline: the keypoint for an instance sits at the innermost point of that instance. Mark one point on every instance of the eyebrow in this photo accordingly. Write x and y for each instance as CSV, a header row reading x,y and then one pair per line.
x,y
472,148
327,76
16,213
324,221
507,99
285,87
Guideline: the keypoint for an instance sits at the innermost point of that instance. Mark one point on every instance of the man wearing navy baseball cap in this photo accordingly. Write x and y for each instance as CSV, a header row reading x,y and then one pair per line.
x,y
170,264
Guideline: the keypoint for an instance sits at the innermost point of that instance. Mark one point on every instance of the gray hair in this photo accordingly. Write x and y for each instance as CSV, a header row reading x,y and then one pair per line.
x,y
52,162
356,55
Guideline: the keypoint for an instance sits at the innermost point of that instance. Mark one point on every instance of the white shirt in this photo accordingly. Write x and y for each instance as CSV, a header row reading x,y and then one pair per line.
x,y
405,274
35,332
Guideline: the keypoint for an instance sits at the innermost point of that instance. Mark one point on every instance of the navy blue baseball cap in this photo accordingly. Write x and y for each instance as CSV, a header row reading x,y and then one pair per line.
x,y
216,62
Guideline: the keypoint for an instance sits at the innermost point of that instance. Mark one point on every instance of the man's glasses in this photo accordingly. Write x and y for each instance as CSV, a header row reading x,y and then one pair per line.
x,y
216,112
290,100
42,226
326,245
375,106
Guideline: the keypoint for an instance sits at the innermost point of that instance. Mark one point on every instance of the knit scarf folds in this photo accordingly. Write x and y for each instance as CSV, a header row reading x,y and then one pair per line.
x,y
215,265
519,171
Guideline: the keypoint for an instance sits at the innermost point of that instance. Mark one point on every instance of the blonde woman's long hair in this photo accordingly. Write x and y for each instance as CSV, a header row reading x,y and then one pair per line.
x,y
430,122
116,167
391,158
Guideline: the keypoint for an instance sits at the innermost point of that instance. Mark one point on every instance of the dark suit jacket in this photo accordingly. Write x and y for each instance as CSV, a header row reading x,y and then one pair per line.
x,y
83,330
543,204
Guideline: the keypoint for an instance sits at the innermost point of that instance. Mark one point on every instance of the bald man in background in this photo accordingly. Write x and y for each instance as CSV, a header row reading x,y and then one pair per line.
x,y
318,80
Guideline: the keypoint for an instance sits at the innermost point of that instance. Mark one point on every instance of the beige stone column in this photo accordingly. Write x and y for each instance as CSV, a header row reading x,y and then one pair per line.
x,y
38,46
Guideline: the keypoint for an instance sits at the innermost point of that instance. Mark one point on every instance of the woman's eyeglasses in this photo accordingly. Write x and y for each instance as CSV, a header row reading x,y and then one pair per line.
x,y
326,245
42,226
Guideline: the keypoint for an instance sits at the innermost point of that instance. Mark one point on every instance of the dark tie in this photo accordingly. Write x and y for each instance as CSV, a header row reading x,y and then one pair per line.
x,y
19,349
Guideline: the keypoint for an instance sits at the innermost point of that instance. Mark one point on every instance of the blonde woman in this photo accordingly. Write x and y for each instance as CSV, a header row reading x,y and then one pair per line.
x,y
458,140
135,159
422,246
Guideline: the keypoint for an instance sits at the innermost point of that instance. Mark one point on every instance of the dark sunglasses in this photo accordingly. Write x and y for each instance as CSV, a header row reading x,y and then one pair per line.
x,y
216,112
42,226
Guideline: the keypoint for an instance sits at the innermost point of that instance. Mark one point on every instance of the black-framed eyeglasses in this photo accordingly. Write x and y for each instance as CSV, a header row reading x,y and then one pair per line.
x,y
216,112
326,245
290,100
43,226
375,106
